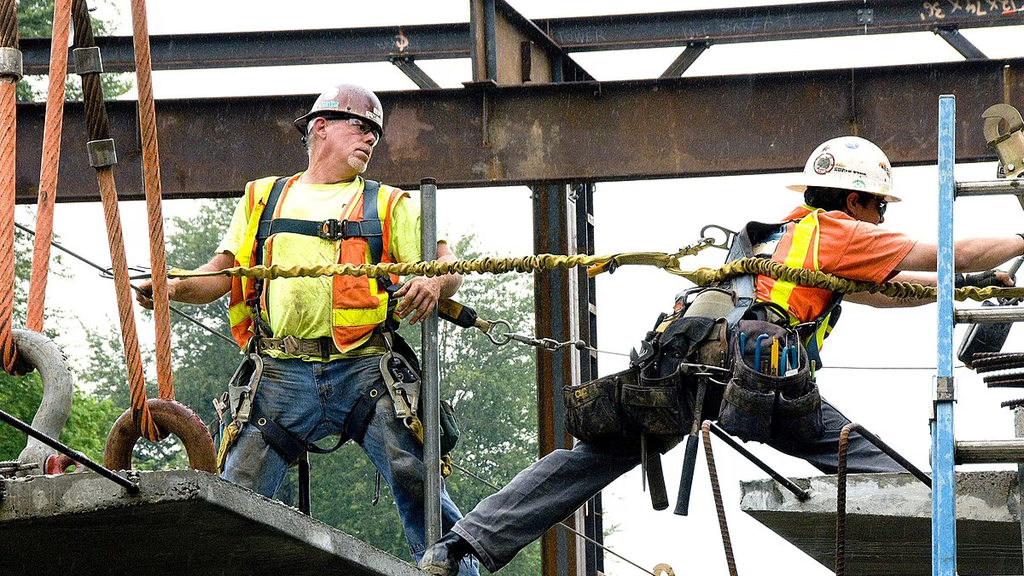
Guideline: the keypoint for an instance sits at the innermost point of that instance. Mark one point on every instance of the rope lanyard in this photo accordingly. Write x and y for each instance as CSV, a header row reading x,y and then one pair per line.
x,y
8,130
667,262
50,163
102,157
151,174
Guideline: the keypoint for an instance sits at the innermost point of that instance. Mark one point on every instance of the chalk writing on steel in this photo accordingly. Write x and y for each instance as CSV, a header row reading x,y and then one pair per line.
x,y
942,9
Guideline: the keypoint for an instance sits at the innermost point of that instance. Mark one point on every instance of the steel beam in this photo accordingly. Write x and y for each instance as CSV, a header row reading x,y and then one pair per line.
x,y
763,23
583,132
617,32
557,315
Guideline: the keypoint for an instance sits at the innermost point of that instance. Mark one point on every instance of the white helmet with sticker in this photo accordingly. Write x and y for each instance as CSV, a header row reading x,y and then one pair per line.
x,y
849,163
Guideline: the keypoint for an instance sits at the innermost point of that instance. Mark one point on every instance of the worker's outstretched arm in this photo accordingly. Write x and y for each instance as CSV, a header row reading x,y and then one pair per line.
x,y
994,278
194,290
972,254
419,295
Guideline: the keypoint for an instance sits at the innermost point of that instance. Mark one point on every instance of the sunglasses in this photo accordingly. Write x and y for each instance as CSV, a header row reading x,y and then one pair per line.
x,y
882,205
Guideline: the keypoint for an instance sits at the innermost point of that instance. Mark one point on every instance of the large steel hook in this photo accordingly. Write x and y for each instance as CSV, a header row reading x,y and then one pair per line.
x,y
1004,132
58,392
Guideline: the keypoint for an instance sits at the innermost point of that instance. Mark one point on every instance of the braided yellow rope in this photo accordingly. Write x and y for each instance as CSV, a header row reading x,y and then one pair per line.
x,y
598,264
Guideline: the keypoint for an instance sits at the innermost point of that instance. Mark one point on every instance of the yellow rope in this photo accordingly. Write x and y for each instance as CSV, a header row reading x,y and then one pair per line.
x,y
598,264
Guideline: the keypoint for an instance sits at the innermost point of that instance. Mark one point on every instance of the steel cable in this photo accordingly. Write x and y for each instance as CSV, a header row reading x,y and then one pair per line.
x,y
154,209
8,132
99,129
49,164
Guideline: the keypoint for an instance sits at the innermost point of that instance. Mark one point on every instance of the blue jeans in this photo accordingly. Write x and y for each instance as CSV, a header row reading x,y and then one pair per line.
x,y
312,400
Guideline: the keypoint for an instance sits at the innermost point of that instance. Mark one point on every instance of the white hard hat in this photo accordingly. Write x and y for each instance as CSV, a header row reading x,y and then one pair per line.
x,y
849,163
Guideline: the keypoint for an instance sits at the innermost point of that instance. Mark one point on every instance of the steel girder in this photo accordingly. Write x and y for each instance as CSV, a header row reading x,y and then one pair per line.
x,y
573,132
616,32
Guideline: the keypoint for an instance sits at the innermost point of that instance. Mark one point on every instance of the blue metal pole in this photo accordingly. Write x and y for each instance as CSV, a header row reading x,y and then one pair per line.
x,y
943,479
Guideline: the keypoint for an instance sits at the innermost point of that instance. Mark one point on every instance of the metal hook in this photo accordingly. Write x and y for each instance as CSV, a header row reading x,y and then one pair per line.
x,y
500,338
726,242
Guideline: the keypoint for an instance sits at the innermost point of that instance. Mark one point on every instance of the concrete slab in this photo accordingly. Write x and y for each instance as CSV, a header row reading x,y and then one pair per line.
x,y
888,522
181,522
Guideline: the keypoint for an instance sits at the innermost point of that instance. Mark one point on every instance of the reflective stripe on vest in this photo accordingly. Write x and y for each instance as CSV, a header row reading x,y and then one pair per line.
x,y
802,253
358,303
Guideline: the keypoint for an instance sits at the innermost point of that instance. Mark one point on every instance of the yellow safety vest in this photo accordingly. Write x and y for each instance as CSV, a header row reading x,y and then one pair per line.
x,y
359,304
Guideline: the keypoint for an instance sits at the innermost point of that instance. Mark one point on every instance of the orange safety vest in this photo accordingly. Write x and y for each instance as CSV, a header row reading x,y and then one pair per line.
x,y
798,248
359,304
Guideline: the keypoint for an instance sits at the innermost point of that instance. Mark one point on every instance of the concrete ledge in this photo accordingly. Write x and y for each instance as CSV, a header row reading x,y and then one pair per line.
x,y
888,522
181,522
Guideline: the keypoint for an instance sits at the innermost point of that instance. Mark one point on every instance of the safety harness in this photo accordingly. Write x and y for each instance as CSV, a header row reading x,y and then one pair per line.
x,y
244,384
398,364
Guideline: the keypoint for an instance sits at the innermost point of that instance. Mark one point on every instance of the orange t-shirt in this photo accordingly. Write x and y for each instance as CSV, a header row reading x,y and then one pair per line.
x,y
846,247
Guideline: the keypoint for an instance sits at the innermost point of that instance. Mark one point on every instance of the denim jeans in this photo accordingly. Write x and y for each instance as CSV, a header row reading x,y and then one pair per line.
x,y
312,400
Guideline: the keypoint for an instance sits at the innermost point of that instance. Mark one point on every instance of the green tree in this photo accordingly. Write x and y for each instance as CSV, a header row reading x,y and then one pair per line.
x,y
20,396
35,20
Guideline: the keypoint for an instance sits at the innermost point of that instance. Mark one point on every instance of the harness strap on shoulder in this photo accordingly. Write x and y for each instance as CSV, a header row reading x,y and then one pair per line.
x,y
376,243
267,216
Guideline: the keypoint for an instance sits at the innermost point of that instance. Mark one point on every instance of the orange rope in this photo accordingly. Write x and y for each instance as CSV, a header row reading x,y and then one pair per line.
x,y
151,172
122,286
50,162
8,131
97,123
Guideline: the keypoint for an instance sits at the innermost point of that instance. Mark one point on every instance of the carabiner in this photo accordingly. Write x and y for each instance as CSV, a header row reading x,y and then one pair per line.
x,y
502,338
726,242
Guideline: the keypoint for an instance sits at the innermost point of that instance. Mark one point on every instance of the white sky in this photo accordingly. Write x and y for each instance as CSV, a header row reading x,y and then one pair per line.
x,y
893,403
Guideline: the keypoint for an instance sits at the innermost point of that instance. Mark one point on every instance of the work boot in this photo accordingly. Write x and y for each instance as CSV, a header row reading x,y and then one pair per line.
x,y
442,559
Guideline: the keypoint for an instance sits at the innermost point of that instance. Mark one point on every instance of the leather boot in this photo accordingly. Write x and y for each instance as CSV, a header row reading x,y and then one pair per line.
x,y
442,559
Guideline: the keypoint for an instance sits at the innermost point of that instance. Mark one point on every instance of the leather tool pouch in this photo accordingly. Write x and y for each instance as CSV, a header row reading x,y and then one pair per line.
x,y
761,402
593,410
657,396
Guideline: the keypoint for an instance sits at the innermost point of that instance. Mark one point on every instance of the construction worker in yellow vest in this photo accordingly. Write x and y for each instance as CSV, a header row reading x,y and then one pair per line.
x,y
320,340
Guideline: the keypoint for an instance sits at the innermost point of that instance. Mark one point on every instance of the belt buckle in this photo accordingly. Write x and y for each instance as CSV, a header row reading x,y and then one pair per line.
x,y
290,345
332,229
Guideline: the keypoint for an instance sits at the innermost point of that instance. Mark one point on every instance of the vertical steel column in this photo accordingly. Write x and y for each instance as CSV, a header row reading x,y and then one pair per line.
x,y
584,196
430,359
556,306
943,477
484,49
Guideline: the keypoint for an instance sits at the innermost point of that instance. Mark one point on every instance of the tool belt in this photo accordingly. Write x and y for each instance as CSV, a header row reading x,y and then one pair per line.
x,y
657,395
771,392
752,396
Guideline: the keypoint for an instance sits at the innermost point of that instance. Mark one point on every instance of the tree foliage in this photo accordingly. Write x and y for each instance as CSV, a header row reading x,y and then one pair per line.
x,y
35,20
91,417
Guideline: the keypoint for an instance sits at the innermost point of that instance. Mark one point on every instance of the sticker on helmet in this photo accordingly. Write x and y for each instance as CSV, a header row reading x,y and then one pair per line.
x,y
824,163
885,168
852,144
859,184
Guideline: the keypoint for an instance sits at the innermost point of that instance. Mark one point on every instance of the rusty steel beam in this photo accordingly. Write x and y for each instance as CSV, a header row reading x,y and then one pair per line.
x,y
577,34
552,133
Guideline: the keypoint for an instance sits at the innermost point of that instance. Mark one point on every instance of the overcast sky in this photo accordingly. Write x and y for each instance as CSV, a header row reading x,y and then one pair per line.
x,y
893,403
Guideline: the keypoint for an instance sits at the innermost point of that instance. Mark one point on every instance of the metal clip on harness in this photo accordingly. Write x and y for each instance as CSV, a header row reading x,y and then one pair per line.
x,y
402,382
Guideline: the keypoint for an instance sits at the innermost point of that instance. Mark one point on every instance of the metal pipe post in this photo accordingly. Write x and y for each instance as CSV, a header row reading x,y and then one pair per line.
x,y
943,478
430,379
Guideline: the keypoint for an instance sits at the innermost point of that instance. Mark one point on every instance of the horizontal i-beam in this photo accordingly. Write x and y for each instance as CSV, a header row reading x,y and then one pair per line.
x,y
582,34
551,133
